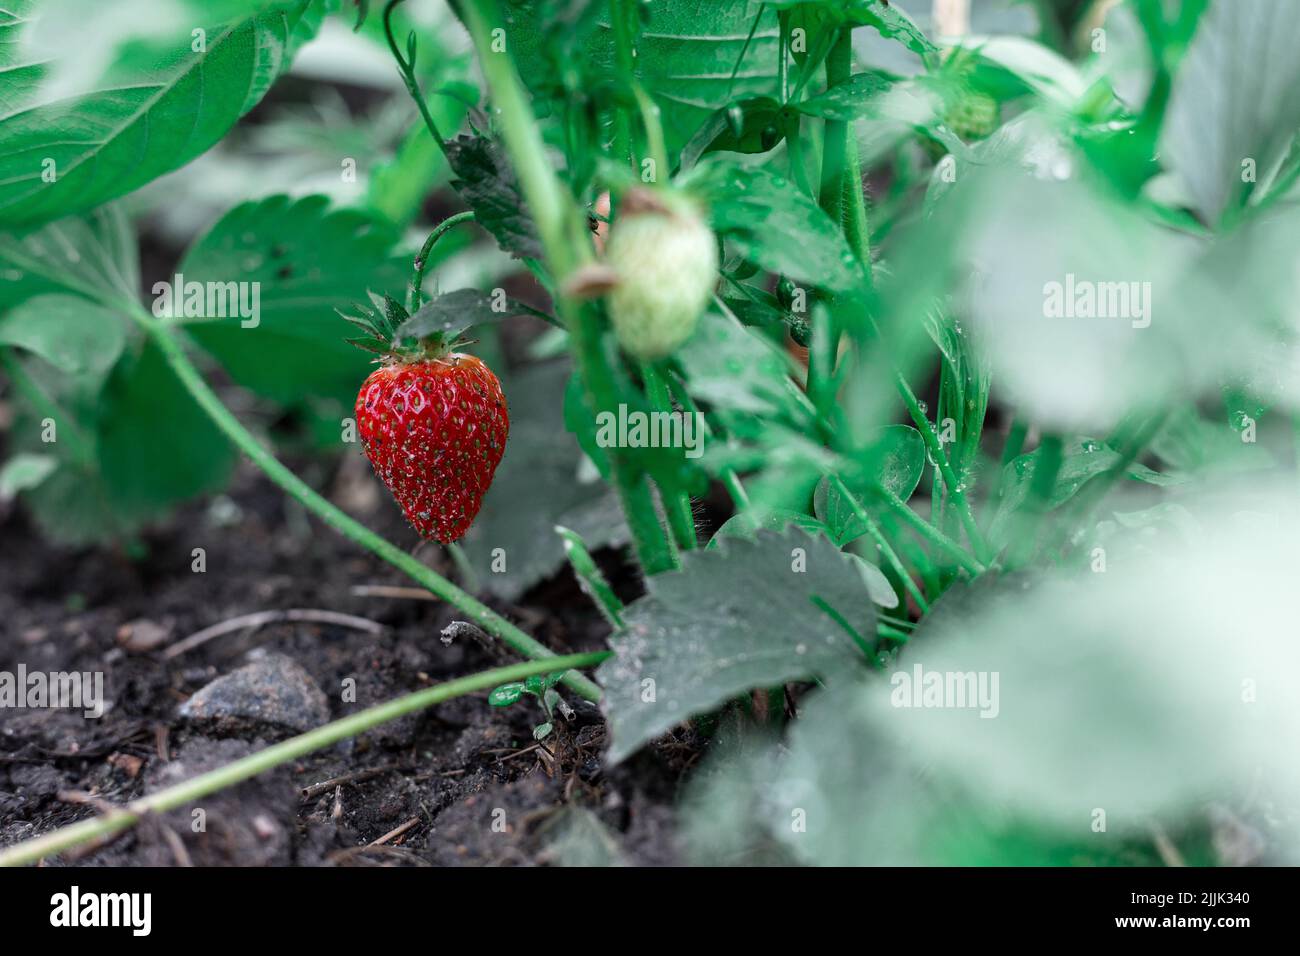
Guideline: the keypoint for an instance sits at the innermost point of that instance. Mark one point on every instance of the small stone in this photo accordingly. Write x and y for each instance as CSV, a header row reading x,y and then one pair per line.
x,y
272,691
142,636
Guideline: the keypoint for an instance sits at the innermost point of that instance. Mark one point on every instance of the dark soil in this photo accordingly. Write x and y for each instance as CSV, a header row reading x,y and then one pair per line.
x,y
450,772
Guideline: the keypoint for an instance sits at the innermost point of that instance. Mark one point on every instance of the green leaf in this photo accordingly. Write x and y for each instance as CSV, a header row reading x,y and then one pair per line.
x,y
128,448
693,56
758,211
450,315
1034,66
1082,459
731,368
23,472
156,446
1236,98
853,99
94,255
747,614
755,125
890,21
304,260
542,466
590,578
896,464
158,105
506,694
76,336
486,181
746,523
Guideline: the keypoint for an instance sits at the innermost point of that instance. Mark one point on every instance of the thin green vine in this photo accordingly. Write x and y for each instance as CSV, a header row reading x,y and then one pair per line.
x,y
64,838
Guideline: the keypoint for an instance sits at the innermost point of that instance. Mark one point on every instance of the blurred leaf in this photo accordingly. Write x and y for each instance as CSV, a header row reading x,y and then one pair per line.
x,y
157,106
128,448
758,211
578,838
23,472
731,368
747,614
1236,99
306,260
78,337
1082,459
94,254
895,463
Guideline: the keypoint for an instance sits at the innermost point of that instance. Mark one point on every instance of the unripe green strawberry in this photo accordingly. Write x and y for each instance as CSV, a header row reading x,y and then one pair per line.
x,y
665,260
973,115
433,423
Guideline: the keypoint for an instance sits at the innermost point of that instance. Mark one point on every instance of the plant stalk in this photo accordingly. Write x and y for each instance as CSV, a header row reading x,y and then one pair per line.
x,y
567,244
422,260
180,794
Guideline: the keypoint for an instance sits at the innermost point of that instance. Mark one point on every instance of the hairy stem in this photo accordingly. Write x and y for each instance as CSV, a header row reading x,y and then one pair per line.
x,y
567,244
208,400
232,773
677,504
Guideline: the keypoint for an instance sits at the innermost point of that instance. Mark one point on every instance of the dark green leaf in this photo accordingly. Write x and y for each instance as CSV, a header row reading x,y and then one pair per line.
x,y
487,183
747,614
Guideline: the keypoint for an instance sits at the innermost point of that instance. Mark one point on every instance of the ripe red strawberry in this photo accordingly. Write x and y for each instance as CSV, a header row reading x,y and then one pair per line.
x,y
434,424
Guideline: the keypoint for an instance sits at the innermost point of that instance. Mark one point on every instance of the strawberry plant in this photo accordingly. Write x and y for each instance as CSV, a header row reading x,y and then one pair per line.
x,y
909,392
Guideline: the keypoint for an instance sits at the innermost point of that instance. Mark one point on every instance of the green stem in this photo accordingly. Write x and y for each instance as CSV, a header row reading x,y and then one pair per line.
x,y
956,493
839,67
422,260
730,480
1042,483
886,550
232,773
208,400
825,339
567,243
1016,436
927,531
677,504
407,69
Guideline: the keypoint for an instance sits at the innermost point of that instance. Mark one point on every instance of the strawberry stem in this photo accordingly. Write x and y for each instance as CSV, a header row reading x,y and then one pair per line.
x,y
208,400
182,793
422,260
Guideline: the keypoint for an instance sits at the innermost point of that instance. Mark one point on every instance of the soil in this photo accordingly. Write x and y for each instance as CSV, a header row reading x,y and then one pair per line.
x,y
463,781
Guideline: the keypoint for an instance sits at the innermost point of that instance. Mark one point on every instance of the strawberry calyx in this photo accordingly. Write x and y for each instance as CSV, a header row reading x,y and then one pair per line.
x,y
399,337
